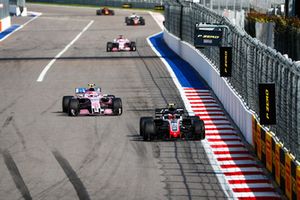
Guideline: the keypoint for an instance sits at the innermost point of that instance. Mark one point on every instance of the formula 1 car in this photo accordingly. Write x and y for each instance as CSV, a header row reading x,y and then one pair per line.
x,y
134,20
105,11
171,123
121,44
91,101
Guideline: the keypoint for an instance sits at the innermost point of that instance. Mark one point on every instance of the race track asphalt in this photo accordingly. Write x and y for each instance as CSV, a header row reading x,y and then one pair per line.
x,y
48,155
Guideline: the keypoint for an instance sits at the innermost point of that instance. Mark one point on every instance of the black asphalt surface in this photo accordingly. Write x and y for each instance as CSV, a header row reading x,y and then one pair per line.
x,y
48,155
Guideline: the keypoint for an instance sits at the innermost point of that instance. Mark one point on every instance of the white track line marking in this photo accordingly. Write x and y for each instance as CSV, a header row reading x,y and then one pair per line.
x,y
44,72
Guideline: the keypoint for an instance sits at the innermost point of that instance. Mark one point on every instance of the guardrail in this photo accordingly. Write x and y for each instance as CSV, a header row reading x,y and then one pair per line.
x,y
253,63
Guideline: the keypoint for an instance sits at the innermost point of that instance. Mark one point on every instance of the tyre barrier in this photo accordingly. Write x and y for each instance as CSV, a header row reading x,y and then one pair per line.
x,y
282,165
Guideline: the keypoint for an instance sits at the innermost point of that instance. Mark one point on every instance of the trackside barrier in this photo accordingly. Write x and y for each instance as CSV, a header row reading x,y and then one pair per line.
x,y
230,100
277,159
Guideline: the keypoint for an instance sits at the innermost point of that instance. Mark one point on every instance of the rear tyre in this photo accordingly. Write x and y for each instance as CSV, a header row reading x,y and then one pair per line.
x,y
132,46
142,21
149,130
109,46
112,12
74,107
98,12
117,106
142,124
65,103
199,130
126,20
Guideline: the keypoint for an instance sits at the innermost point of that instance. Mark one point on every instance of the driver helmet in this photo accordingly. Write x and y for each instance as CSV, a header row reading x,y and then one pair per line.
x,y
91,86
171,107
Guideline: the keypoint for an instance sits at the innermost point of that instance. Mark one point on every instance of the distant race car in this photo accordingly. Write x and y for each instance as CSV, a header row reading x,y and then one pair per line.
x,y
105,11
171,123
134,20
121,44
91,101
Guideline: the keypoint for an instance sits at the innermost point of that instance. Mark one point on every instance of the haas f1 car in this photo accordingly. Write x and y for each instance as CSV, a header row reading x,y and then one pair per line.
x,y
121,44
105,11
91,101
134,20
171,123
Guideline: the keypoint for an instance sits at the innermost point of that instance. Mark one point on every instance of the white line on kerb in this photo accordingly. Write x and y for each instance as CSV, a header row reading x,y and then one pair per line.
x,y
45,70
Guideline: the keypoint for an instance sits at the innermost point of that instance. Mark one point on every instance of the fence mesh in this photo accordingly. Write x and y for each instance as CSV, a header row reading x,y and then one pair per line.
x,y
4,8
253,63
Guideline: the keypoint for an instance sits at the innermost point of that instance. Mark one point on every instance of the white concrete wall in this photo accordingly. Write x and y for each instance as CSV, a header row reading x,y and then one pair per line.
x,y
5,23
230,100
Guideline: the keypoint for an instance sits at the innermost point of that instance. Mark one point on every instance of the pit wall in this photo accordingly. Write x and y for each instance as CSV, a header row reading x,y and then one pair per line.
x,y
5,23
282,166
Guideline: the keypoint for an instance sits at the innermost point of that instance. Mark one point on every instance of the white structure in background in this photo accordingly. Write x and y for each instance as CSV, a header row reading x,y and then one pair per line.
x,y
17,8
5,21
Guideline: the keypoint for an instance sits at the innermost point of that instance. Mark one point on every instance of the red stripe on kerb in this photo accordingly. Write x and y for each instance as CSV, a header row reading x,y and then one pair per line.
x,y
199,94
213,114
204,106
206,102
230,152
226,145
259,198
238,166
216,128
224,139
249,181
243,173
263,189
199,98
234,158
220,134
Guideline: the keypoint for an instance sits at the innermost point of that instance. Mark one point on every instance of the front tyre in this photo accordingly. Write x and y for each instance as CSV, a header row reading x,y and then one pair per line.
x,y
65,103
109,46
74,108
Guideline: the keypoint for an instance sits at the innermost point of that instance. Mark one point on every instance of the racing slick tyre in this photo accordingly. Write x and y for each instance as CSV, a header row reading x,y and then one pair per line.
x,y
199,130
65,103
117,106
132,46
98,12
109,46
112,12
149,132
74,107
142,124
126,20
142,21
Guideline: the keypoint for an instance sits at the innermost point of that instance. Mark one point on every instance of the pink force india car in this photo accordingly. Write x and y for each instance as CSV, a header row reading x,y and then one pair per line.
x,y
121,44
171,123
91,101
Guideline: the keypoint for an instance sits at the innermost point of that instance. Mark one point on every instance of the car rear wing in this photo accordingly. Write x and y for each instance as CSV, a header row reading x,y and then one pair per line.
x,y
163,111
